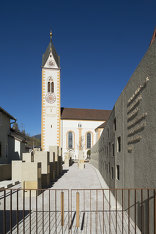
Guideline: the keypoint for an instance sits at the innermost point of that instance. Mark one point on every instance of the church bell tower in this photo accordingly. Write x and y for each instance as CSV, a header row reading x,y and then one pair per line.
x,y
50,120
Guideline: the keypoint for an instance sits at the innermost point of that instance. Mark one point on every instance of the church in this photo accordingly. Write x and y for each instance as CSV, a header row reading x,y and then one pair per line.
x,y
73,129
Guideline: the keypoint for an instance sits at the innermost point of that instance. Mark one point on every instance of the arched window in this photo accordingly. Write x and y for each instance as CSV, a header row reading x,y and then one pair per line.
x,y
70,140
50,85
88,140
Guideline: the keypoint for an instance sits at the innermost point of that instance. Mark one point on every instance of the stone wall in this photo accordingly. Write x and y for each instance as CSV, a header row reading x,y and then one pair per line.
x,y
131,131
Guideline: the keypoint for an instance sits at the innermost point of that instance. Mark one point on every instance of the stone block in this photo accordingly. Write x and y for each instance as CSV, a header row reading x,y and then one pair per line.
x,y
51,156
28,157
43,158
31,177
56,150
17,170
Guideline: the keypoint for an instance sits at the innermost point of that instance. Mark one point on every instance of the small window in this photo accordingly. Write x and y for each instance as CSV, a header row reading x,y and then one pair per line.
x,y
70,140
115,124
113,150
0,149
88,140
117,172
112,174
119,144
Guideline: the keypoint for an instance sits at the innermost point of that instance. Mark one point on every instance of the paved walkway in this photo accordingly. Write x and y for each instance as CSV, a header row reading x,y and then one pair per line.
x,y
97,213
76,178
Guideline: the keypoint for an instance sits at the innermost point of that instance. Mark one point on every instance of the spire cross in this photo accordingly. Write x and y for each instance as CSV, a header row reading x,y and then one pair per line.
x,y
51,35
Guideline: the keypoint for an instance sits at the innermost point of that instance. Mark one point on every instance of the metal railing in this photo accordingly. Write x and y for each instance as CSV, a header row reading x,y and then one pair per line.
x,y
78,210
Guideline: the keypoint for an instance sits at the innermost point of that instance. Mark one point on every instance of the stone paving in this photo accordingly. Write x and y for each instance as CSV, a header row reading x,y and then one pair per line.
x,y
96,215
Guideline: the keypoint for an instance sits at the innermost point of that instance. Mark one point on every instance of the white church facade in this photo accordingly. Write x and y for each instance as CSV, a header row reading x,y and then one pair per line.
x,y
73,129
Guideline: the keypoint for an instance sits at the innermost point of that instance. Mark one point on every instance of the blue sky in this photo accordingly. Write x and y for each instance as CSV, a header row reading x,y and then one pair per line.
x,y
100,44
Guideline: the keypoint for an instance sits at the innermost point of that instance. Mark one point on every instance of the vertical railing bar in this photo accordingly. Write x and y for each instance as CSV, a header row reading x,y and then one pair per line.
x,y
43,211
154,211
68,211
24,210
24,207
11,210
77,209
30,209
71,211
55,212
109,213
36,212
128,211
62,210
84,204
96,209
142,224
135,210
122,212
148,212
17,214
49,211
103,212
84,199
116,211
4,213
90,213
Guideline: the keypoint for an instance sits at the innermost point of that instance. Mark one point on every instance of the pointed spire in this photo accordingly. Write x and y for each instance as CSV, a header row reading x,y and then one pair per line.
x,y
50,50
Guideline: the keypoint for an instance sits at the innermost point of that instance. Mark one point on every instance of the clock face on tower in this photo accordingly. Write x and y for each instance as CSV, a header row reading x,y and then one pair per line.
x,y
50,98
51,63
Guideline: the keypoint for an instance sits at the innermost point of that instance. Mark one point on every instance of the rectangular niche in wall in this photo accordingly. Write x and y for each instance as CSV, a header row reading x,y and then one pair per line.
x,y
117,172
119,144
113,150
115,124
112,174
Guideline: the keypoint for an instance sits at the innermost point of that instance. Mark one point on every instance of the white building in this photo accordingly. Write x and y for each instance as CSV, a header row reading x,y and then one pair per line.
x,y
73,129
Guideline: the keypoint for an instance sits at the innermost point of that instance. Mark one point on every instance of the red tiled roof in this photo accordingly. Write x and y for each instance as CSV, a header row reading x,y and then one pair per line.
x,y
84,114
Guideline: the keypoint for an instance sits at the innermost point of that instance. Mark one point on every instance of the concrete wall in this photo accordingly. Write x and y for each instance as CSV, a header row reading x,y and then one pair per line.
x,y
135,115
